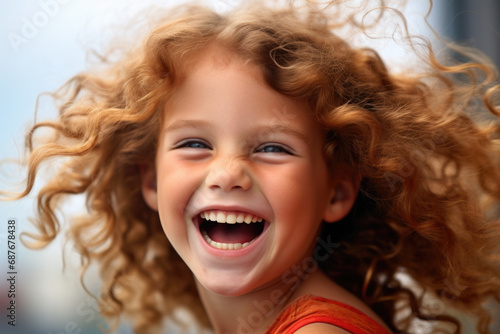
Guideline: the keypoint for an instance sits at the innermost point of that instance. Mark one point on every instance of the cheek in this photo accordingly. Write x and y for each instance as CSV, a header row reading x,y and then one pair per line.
x,y
296,193
176,185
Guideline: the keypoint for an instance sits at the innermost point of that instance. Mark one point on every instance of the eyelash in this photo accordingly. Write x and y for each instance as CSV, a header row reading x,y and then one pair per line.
x,y
196,144
281,149
200,144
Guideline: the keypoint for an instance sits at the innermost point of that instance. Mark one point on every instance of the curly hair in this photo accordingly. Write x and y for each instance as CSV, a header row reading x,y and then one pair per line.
x,y
422,144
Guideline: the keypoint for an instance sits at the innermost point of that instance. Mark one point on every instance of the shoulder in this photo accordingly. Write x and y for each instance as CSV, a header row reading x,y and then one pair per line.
x,y
320,328
320,285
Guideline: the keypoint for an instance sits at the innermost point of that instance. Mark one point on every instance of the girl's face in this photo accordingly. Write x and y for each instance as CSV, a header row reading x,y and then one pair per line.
x,y
240,181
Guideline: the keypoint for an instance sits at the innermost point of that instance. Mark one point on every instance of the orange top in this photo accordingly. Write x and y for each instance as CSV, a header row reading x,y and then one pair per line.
x,y
310,309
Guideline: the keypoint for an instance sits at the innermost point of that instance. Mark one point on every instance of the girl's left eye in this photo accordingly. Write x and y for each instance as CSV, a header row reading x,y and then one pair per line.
x,y
273,148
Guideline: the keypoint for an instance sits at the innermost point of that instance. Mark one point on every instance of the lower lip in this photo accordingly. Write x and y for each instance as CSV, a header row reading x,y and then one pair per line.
x,y
231,253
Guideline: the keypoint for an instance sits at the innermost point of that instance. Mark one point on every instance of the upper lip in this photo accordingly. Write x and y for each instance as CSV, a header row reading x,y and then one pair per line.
x,y
231,208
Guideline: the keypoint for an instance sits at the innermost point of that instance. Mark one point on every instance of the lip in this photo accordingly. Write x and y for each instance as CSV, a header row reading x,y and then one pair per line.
x,y
229,253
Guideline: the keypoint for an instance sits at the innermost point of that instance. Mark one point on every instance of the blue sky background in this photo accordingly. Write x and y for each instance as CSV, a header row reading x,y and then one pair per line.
x,y
44,58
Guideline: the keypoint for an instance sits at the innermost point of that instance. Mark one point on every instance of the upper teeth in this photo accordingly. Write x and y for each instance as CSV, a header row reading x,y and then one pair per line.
x,y
230,217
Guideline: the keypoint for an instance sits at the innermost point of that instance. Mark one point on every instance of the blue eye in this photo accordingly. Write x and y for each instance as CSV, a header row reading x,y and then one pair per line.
x,y
198,144
273,148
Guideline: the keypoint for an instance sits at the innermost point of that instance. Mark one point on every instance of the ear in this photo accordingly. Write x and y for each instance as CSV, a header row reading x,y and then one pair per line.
x,y
149,189
342,197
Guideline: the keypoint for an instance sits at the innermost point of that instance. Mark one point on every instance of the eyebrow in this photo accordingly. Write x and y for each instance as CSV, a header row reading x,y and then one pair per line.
x,y
200,124
187,123
284,129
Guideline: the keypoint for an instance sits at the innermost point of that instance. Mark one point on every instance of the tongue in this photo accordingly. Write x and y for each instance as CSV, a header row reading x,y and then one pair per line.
x,y
234,233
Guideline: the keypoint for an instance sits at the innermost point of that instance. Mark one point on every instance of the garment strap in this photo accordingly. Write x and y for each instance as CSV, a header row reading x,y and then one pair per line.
x,y
311,309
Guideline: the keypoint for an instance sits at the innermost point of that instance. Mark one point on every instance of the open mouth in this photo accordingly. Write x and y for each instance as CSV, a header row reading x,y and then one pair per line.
x,y
230,230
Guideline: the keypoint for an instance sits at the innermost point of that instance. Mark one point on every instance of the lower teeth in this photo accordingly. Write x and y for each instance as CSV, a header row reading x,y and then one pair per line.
x,y
223,245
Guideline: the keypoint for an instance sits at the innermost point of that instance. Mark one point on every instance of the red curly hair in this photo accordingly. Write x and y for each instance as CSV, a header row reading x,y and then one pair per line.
x,y
430,176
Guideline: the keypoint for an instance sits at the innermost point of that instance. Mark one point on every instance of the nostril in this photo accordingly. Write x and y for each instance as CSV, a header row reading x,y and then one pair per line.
x,y
219,179
228,179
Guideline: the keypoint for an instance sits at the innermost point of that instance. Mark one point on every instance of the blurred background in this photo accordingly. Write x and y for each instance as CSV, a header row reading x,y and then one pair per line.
x,y
474,23
42,44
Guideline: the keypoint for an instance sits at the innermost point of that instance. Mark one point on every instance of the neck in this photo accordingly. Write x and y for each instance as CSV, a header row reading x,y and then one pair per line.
x,y
251,313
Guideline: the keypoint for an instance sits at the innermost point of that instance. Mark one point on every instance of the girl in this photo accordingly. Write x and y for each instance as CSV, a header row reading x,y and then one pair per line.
x,y
260,172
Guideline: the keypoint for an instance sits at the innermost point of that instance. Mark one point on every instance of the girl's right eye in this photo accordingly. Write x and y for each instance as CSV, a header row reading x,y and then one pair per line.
x,y
193,143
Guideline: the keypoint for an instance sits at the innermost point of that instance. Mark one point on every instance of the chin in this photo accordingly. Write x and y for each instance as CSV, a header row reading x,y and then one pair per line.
x,y
225,287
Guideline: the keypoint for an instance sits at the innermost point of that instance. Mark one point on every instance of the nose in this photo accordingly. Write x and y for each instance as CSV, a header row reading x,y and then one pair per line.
x,y
228,174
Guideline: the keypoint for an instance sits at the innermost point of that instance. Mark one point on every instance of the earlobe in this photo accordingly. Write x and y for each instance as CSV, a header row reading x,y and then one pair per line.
x,y
149,188
342,199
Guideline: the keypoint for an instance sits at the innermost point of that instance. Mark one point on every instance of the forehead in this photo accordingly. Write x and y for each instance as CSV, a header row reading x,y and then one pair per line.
x,y
222,92
219,76
216,60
